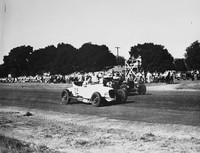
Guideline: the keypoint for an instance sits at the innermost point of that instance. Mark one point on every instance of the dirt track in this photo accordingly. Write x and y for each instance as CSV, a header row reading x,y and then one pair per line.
x,y
70,132
78,133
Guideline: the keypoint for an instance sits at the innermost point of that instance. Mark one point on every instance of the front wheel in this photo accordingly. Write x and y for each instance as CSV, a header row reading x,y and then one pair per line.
x,y
96,99
142,89
121,96
65,96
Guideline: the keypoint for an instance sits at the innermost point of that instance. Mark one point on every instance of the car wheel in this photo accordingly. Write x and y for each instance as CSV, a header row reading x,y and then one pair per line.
x,y
121,96
124,87
65,96
142,89
96,99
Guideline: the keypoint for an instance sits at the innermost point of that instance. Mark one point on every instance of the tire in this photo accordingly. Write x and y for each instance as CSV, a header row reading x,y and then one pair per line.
x,y
65,97
96,99
142,89
121,96
124,87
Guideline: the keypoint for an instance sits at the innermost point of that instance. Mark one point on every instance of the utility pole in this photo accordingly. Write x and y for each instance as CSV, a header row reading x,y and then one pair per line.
x,y
117,51
5,8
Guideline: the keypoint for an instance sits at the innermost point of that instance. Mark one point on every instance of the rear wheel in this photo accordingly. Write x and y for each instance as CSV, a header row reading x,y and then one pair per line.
x,y
142,89
96,99
65,96
124,87
121,96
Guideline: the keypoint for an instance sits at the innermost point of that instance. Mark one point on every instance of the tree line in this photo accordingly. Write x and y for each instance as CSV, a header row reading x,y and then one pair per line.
x,y
66,59
157,58
63,59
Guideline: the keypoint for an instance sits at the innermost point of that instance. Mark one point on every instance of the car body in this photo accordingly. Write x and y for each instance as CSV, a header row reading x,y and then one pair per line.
x,y
136,85
95,94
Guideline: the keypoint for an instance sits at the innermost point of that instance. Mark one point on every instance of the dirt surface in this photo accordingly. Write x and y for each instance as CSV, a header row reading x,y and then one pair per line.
x,y
63,132
33,130
186,85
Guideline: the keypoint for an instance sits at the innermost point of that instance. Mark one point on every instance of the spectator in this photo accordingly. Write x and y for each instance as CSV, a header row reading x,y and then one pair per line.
x,y
149,75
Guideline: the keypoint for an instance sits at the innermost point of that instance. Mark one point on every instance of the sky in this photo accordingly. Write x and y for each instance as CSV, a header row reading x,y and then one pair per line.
x,y
174,24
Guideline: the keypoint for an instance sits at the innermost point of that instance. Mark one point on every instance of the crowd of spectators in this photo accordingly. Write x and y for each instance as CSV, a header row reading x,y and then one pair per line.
x,y
58,78
170,76
97,77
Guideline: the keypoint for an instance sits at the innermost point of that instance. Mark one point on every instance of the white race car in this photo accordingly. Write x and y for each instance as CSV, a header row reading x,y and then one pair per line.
x,y
95,94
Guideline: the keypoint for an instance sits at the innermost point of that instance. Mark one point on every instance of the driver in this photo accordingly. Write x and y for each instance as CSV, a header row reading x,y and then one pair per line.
x,y
87,80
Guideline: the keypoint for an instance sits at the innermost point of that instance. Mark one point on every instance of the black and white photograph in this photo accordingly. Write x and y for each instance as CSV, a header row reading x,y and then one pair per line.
x,y
99,76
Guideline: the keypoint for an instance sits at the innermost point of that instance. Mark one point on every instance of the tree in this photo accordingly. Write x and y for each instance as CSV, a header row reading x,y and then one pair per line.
x,y
17,62
94,57
41,60
65,59
3,71
154,57
120,60
192,55
180,64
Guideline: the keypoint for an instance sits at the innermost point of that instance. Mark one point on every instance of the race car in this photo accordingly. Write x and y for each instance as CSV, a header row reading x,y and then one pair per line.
x,y
96,94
